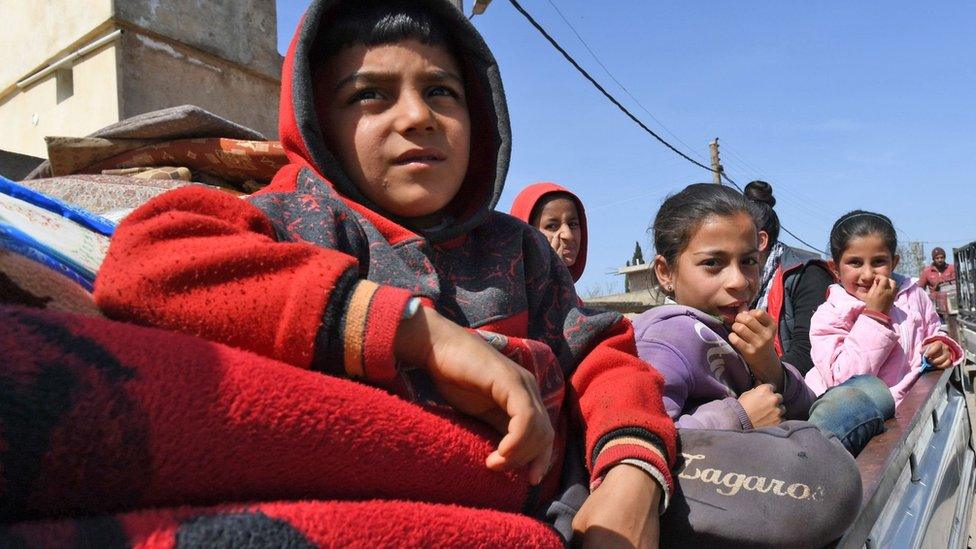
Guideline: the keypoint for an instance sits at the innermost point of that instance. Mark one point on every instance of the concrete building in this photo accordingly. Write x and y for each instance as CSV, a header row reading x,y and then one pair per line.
x,y
73,67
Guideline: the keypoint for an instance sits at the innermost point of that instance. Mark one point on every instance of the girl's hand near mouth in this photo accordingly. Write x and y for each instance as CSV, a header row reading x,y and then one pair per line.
x,y
752,335
881,296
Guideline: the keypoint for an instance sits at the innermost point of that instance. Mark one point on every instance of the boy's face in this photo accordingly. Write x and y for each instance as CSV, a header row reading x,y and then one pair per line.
x,y
396,118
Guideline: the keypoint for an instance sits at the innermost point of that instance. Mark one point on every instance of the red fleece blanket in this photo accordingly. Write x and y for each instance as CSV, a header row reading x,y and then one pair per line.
x,y
100,417
295,525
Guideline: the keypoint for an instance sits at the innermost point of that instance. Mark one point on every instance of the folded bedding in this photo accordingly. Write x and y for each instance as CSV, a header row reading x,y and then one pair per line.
x,y
306,524
105,419
66,239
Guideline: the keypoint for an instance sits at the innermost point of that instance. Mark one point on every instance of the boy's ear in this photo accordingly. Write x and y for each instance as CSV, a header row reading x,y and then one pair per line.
x,y
664,273
894,262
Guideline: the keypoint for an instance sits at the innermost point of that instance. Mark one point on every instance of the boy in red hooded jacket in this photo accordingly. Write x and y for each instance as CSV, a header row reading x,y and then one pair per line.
x,y
394,119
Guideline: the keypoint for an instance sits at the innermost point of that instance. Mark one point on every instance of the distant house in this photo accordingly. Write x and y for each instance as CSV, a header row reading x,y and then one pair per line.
x,y
641,289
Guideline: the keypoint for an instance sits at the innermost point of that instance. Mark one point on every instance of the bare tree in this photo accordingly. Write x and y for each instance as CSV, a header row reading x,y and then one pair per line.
x,y
596,289
912,258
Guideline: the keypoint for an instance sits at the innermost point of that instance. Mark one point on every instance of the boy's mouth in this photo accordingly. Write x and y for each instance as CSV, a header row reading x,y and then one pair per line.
x,y
420,156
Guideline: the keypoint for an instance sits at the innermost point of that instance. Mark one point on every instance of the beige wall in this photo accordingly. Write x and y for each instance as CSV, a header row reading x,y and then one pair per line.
x,y
39,31
93,105
240,31
158,73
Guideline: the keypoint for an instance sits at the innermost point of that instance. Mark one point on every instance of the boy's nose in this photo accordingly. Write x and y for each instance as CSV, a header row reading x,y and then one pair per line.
x,y
413,114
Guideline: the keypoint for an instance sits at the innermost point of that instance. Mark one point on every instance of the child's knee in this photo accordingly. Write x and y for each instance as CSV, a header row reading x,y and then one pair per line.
x,y
875,390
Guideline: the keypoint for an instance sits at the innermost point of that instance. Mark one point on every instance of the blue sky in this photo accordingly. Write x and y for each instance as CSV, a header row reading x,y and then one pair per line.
x,y
839,105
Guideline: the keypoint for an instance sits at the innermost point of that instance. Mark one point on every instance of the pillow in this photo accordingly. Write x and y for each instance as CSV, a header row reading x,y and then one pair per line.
x,y
785,486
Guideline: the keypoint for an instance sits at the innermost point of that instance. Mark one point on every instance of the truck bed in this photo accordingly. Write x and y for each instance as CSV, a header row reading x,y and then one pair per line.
x,y
917,477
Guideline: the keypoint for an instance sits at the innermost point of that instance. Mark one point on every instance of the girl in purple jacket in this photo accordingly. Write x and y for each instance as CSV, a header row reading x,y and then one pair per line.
x,y
717,357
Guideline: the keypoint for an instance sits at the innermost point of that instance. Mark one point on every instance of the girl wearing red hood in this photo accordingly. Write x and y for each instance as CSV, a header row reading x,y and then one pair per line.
x,y
559,215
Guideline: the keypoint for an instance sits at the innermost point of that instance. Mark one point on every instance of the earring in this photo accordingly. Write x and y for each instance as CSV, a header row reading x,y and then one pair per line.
x,y
669,288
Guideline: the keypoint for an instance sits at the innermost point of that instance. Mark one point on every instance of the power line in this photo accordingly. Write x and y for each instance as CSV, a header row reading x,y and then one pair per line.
x,y
623,109
602,90
787,231
614,78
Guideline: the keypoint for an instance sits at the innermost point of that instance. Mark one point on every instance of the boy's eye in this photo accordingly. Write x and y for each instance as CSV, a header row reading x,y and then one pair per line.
x,y
365,95
443,91
750,261
709,263
552,227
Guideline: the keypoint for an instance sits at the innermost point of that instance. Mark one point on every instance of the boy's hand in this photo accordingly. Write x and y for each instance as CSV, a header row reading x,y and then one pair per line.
x,y
763,405
478,380
939,355
752,336
621,512
881,296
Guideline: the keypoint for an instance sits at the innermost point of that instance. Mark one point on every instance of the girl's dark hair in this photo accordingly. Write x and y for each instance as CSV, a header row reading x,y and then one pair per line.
x,y
857,224
760,194
373,23
545,199
681,214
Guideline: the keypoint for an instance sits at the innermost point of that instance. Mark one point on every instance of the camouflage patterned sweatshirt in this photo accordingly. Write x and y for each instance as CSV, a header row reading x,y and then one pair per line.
x,y
310,272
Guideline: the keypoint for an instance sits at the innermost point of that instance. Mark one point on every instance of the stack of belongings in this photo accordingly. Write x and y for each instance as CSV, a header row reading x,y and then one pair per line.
x,y
121,166
113,435
116,435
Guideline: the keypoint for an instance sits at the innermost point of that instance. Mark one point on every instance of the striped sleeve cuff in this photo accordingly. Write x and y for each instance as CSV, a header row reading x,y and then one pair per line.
x,y
658,477
372,317
629,449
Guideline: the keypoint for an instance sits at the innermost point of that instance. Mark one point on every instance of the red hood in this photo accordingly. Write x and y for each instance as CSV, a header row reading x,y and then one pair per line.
x,y
526,201
305,147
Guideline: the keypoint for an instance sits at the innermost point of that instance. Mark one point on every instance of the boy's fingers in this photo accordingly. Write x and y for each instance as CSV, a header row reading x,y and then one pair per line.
x,y
540,465
524,443
528,429
932,350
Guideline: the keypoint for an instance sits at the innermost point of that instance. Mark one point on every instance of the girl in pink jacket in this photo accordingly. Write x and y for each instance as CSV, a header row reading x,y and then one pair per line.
x,y
874,322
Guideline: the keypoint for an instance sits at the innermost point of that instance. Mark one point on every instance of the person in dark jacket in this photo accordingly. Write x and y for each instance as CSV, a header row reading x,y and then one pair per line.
x,y
793,283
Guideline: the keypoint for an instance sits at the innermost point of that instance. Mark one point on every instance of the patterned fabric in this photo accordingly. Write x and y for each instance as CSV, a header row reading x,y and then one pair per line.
x,y
29,283
101,417
163,172
230,159
769,269
183,122
102,194
292,525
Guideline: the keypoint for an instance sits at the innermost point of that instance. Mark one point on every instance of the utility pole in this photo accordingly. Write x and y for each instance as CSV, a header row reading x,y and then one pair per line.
x,y
479,7
716,163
